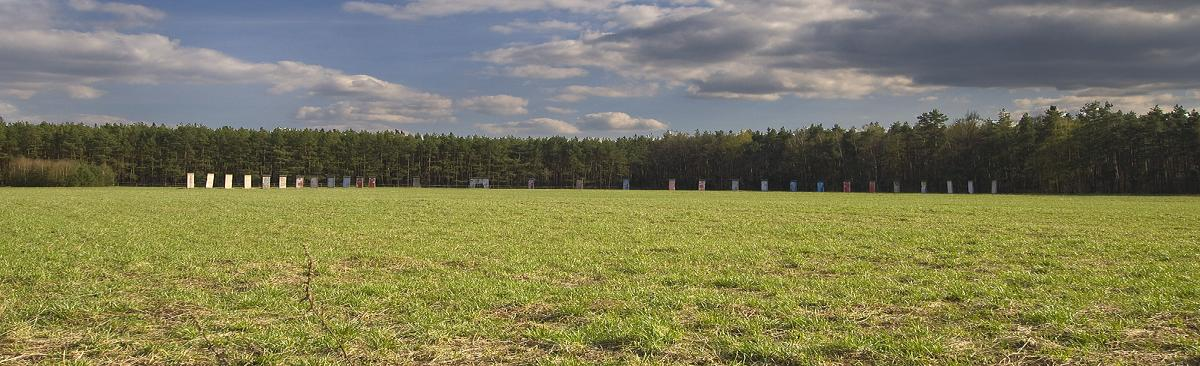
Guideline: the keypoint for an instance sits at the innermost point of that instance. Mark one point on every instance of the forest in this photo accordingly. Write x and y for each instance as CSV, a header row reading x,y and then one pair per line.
x,y
1095,150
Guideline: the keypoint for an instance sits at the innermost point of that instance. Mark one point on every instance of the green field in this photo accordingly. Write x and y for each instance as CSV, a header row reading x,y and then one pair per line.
x,y
455,276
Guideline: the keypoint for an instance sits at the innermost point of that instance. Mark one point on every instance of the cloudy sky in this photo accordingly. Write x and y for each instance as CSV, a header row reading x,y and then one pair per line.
x,y
585,67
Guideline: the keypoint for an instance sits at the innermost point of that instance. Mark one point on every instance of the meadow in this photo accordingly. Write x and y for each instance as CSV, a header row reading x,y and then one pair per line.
x,y
456,276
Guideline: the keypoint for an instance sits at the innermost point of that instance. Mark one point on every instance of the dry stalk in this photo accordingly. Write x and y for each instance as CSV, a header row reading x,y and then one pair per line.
x,y
309,274
219,355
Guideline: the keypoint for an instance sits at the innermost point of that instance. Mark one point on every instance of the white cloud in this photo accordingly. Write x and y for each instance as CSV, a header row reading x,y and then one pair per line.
x,y
1137,103
8,109
618,122
1110,15
20,93
418,9
393,112
26,14
100,119
46,14
576,93
543,26
536,126
42,60
546,72
641,15
83,92
772,85
557,110
500,105
131,14
598,122
10,113
573,52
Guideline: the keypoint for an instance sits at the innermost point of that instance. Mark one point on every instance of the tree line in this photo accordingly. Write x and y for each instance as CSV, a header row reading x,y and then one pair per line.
x,y
1096,149
26,172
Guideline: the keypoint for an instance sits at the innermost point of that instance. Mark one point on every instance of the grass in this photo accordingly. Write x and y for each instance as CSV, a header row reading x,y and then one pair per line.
x,y
441,276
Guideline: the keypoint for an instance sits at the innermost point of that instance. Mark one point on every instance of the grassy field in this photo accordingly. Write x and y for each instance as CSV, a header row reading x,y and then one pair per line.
x,y
154,276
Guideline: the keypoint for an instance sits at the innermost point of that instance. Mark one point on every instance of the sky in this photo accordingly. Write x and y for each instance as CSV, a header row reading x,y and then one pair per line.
x,y
586,67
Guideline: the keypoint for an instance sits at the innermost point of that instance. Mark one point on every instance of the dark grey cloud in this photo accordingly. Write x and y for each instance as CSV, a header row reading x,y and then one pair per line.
x,y
759,83
1066,45
762,49
700,39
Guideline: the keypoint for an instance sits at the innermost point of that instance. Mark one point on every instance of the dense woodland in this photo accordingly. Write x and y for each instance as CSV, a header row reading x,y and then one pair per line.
x,y
26,172
1097,149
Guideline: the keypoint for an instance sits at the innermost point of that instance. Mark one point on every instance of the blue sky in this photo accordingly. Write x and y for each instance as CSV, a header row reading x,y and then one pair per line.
x,y
585,68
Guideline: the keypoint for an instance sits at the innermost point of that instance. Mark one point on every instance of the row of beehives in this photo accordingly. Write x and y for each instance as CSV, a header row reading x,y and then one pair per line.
x,y
281,182
847,186
794,186
365,182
